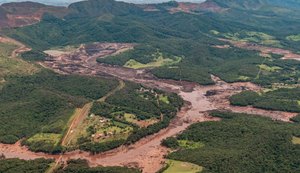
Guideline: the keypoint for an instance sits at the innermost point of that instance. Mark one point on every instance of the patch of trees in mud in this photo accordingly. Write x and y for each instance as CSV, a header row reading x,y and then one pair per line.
x,y
81,166
22,166
43,103
42,165
240,143
134,99
285,99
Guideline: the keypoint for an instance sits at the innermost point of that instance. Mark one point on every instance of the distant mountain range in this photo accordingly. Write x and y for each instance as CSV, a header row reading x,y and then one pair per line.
x,y
67,2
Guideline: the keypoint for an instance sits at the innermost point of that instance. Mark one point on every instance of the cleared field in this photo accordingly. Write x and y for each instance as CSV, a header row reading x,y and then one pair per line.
x,y
268,68
51,139
190,144
141,123
182,167
293,37
164,99
101,129
158,61
251,36
243,78
13,66
295,140
61,50
111,130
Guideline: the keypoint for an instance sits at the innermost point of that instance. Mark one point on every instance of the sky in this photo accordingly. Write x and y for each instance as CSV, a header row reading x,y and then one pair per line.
x,y
66,2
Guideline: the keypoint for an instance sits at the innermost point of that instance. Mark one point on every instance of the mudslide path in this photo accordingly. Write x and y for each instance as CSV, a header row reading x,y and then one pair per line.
x,y
147,154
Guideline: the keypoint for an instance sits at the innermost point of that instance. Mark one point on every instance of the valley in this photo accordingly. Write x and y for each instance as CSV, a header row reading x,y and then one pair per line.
x,y
110,86
147,154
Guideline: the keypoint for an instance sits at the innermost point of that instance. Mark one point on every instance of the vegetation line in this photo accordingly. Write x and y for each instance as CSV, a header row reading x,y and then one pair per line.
x,y
259,72
118,88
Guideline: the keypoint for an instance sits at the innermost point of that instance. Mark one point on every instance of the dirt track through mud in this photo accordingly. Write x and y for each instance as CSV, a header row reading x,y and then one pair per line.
x,y
147,154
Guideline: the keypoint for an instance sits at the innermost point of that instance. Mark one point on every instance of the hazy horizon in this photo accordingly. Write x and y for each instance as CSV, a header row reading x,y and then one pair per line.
x,y
67,2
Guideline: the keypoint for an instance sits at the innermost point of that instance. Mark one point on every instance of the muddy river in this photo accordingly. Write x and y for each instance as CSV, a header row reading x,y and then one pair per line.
x,y
147,154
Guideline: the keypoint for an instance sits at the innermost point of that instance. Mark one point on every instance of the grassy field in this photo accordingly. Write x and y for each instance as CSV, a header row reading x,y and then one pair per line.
x,y
129,117
182,167
50,138
12,66
44,142
243,78
101,130
295,140
251,36
7,48
293,37
268,68
187,144
112,130
164,99
158,61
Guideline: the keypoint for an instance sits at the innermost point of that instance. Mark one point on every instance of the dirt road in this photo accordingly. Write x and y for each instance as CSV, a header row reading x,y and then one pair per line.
x,y
79,115
21,47
118,88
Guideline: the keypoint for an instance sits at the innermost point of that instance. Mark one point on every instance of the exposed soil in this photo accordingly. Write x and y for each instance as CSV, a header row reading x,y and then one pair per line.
x,y
186,7
265,51
21,47
226,46
147,154
26,13
197,7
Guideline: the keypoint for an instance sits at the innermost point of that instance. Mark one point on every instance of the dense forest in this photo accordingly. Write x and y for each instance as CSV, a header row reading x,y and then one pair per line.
x,y
42,165
81,166
284,99
22,166
241,143
162,31
44,102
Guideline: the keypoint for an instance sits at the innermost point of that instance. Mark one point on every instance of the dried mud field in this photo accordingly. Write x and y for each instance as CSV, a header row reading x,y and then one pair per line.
x,y
146,154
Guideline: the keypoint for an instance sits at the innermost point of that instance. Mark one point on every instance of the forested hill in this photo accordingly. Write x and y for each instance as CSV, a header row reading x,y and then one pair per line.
x,y
257,4
186,30
94,8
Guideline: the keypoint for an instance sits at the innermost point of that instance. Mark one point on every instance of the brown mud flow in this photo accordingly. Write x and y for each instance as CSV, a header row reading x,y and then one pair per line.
x,y
147,154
